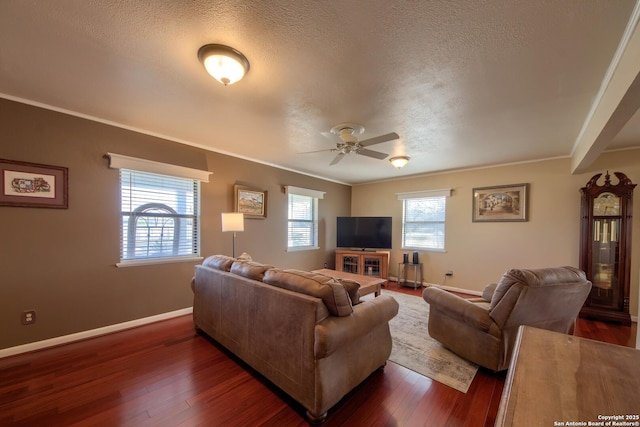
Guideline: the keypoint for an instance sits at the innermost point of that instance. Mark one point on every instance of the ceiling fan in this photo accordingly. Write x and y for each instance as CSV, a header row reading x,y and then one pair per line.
x,y
348,134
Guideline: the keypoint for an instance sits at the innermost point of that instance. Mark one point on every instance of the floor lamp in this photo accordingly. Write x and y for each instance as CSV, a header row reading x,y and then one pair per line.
x,y
233,222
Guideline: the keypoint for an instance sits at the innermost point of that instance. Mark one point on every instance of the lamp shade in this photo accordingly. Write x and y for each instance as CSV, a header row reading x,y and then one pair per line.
x,y
224,63
232,221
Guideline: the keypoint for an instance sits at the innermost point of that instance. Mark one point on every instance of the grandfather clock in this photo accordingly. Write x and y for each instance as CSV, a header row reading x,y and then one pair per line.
x,y
605,247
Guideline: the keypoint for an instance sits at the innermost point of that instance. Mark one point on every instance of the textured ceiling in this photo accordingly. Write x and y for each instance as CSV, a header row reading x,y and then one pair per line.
x,y
464,83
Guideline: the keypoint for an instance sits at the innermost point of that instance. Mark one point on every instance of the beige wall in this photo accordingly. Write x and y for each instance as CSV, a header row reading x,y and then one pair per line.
x,y
478,253
62,262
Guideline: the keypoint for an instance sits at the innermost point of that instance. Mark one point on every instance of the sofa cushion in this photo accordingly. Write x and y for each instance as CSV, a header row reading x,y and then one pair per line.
x,y
219,262
333,293
352,288
535,278
509,278
250,269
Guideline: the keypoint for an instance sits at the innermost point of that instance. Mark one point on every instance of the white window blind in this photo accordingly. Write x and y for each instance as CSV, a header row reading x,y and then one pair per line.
x,y
303,222
423,222
160,216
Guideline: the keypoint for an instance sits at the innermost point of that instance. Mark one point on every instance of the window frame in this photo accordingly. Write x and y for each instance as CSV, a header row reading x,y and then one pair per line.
x,y
315,197
197,176
313,222
430,194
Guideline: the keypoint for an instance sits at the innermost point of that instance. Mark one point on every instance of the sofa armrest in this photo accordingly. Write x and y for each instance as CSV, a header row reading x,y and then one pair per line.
x,y
458,308
334,332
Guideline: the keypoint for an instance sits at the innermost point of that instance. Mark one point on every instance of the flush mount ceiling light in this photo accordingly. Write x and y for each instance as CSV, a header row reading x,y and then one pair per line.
x,y
224,63
399,162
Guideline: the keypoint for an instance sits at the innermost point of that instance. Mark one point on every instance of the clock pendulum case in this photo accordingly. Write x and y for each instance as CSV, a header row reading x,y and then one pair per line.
x,y
605,247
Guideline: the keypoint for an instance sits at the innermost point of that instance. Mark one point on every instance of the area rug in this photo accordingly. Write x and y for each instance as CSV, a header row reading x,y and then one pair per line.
x,y
414,349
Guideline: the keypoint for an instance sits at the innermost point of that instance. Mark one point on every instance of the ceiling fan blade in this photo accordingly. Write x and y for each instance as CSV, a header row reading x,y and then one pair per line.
x,y
336,159
379,139
370,153
316,151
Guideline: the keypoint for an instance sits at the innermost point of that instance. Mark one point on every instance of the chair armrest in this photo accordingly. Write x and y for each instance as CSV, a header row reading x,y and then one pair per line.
x,y
488,291
458,308
334,332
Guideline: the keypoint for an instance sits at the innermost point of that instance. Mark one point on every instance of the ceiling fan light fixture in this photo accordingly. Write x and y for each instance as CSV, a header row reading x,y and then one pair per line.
x,y
225,64
399,162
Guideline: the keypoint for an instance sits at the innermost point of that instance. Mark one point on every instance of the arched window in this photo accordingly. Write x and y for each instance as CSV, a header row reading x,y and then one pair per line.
x,y
153,231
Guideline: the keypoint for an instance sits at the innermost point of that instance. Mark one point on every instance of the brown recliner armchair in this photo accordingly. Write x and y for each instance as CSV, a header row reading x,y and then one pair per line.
x,y
483,330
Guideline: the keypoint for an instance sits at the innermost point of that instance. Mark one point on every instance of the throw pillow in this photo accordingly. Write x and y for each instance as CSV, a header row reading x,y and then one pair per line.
x,y
219,262
352,288
250,269
333,293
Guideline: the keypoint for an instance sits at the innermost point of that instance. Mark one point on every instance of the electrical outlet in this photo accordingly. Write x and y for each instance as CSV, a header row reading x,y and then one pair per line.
x,y
28,317
449,273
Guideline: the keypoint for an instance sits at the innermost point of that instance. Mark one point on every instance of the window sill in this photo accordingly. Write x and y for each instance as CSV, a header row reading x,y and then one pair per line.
x,y
168,260
303,248
424,249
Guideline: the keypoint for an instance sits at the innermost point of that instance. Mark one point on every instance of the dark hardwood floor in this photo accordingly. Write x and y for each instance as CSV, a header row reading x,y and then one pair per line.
x,y
167,374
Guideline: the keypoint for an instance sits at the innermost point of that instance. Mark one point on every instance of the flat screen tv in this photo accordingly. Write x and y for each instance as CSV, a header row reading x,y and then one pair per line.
x,y
364,232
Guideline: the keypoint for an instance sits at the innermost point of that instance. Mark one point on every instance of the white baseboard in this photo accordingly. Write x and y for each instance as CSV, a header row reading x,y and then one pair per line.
x,y
448,288
65,339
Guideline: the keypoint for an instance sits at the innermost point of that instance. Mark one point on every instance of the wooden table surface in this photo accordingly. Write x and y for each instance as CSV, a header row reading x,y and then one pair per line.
x,y
562,380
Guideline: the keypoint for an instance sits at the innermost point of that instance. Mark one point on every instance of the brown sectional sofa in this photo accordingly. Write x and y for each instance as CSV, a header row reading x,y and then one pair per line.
x,y
300,330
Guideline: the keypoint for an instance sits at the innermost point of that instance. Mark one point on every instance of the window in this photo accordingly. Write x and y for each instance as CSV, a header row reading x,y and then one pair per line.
x,y
303,222
423,219
159,216
160,213
302,230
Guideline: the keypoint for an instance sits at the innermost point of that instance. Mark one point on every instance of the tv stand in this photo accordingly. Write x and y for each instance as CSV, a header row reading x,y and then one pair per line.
x,y
364,262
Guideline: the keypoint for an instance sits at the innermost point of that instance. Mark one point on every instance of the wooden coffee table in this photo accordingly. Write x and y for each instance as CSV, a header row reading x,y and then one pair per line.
x,y
368,284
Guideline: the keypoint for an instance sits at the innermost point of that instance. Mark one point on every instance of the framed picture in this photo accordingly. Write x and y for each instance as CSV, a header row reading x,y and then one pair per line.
x,y
33,185
501,203
252,203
